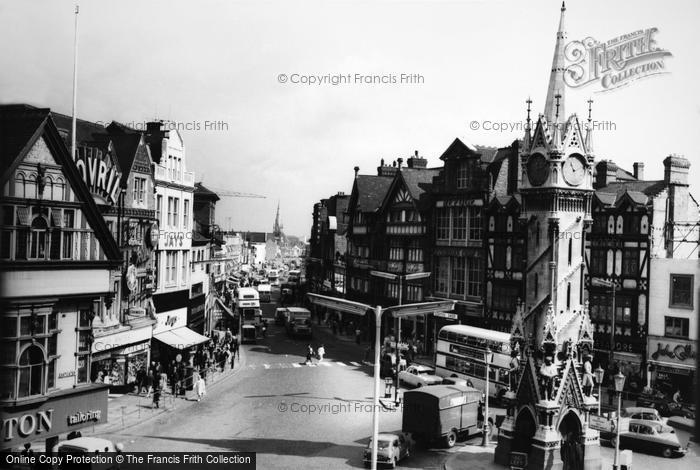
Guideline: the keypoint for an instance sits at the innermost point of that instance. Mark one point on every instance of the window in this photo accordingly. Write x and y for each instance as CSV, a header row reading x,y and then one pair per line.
x,y
623,309
159,208
504,298
631,223
139,190
568,295
67,245
600,223
31,372
571,246
5,244
186,214
517,258
176,218
414,293
463,175
630,262
443,224
184,267
677,327
415,255
170,211
499,256
474,271
82,369
474,223
395,253
600,307
39,238
442,276
459,223
599,261
681,291
458,274
170,266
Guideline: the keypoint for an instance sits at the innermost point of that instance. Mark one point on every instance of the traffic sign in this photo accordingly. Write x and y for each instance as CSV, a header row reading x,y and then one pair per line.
x,y
601,423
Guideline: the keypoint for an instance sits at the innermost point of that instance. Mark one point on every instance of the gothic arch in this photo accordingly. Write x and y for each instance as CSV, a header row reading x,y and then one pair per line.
x,y
570,428
525,429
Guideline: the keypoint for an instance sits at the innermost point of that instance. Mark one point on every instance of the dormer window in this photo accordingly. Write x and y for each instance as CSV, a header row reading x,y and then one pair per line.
x,y
463,175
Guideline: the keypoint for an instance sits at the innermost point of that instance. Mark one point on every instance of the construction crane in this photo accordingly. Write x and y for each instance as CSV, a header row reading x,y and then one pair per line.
x,y
223,192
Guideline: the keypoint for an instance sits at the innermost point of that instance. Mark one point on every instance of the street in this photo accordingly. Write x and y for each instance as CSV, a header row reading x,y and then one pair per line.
x,y
300,416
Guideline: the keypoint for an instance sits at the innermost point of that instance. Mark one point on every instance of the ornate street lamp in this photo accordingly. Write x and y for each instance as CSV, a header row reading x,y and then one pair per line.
x,y
619,380
599,374
488,357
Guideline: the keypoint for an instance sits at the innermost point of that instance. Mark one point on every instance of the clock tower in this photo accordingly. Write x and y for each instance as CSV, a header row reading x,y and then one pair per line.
x,y
557,164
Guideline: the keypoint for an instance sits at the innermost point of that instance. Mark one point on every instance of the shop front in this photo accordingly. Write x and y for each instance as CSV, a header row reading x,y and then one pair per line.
x,y
672,365
174,338
62,412
118,356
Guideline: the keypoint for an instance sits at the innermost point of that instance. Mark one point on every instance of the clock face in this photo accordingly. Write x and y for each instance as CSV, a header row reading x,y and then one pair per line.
x,y
573,170
537,169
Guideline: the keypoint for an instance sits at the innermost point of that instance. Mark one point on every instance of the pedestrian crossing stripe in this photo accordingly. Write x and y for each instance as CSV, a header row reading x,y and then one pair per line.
x,y
311,365
341,364
327,364
294,364
267,366
298,365
355,364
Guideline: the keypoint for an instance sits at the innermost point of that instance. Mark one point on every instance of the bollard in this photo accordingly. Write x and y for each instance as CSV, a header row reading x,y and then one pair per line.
x,y
626,460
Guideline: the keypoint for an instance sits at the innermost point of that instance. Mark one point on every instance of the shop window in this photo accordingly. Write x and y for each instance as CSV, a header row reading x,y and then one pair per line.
x,y
623,309
442,275
681,291
82,369
677,327
474,270
31,372
458,275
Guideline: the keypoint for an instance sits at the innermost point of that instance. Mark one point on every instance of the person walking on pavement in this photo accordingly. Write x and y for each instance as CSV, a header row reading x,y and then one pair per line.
x,y
321,351
200,388
358,332
309,355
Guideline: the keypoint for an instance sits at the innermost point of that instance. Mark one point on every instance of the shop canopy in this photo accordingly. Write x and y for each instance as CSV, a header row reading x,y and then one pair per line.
x,y
224,307
181,338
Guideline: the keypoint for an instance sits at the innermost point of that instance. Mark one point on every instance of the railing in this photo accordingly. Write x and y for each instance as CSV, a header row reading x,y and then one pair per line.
x,y
163,174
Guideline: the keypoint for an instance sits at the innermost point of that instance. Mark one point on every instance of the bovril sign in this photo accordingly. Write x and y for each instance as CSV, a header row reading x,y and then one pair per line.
x,y
99,173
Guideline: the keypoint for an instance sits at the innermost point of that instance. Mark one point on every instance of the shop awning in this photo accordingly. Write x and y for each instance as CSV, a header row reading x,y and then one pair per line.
x,y
223,306
181,338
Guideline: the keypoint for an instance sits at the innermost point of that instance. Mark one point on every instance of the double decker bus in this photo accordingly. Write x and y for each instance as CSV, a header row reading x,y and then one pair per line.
x,y
461,350
248,311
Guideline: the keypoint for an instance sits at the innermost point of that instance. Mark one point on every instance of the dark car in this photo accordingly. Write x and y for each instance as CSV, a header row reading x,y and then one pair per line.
x,y
650,437
665,406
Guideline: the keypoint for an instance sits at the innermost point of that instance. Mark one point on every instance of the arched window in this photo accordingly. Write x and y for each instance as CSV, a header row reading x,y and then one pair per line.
x,y
568,295
31,372
571,246
49,186
20,186
61,189
39,238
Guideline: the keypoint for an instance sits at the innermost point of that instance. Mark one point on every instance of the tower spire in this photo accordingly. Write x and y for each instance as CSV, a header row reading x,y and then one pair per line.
x,y
556,77
277,229
589,130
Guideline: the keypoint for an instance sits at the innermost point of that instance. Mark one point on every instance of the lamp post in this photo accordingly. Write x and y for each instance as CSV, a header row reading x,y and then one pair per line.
x,y
401,278
360,309
619,380
599,373
488,357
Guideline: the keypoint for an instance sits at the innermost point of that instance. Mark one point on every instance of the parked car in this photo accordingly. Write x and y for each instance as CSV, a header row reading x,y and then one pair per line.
x,y
391,448
455,381
650,437
419,375
665,406
642,413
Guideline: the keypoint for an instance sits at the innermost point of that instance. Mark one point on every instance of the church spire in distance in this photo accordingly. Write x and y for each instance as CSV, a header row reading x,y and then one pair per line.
x,y
556,77
277,228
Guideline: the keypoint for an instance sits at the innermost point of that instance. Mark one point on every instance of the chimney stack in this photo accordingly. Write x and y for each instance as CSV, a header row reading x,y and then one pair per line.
x,y
638,170
416,162
606,173
386,170
676,181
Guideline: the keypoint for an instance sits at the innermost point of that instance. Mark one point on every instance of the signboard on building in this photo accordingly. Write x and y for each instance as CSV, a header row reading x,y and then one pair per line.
x,y
671,350
170,320
99,173
57,415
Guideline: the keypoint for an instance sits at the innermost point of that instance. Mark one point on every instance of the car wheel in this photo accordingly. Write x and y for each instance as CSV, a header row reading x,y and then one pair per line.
x,y
451,439
667,452
420,384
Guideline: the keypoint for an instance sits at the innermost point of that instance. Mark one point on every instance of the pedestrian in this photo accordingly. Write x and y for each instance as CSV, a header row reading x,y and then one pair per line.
x,y
140,378
156,393
334,326
677,398
200,388
236,352
309,355
358,332
321,351
149,383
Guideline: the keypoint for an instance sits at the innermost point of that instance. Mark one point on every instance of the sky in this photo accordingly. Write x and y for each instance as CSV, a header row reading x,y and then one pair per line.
x,y
224,72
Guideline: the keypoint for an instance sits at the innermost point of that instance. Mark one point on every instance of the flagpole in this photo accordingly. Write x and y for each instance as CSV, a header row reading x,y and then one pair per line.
x,y
75,84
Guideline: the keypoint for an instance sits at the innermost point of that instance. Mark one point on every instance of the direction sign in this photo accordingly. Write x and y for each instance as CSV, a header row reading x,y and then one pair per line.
x,y
341,305
411,310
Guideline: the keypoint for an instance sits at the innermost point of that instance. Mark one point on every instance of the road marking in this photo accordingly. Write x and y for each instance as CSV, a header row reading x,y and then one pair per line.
x,y
267,366
311,365
355,364
294,364
327,364
341,364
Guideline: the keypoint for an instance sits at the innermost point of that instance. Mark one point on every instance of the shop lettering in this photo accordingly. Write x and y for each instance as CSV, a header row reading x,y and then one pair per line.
x,y
64,375
84,416
170,321
99,178
681,352
27,425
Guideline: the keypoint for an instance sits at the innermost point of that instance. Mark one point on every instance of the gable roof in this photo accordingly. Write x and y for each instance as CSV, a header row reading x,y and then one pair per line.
x,y
200,191
418,181
25,125
371,191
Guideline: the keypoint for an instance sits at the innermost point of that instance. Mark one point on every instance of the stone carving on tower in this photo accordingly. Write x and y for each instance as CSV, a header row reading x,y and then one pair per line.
x,y
548,409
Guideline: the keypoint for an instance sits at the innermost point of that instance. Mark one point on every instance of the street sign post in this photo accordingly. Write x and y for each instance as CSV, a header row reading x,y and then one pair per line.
x,y
360,309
